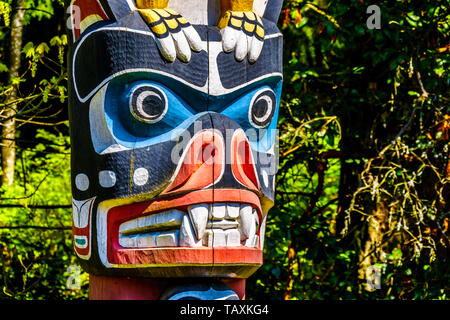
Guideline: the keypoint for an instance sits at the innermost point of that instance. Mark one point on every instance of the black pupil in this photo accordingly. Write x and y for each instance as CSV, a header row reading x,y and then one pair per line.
x,y
153,106
260,108
148,104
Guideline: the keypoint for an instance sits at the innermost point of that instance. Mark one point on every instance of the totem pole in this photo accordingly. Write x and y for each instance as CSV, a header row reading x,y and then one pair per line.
x,y
173,114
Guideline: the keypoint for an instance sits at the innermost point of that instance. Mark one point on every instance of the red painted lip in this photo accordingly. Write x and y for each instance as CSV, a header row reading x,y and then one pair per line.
x,y
118,255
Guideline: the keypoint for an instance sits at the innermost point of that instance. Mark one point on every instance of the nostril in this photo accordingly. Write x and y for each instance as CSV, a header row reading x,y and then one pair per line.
x,y
242,165
208,154
202,164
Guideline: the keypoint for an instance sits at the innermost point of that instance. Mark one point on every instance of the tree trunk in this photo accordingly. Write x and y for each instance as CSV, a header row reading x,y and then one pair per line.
x,y
9,126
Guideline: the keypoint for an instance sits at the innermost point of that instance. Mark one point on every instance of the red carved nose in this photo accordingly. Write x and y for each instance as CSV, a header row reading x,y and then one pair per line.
x,y
203,163
242,162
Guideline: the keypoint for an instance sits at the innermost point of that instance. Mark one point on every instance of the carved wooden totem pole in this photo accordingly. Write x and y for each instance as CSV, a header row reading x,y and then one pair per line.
x,y
173,112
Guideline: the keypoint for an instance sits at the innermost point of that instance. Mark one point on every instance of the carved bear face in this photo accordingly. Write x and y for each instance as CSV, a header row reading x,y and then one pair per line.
x,y
173,163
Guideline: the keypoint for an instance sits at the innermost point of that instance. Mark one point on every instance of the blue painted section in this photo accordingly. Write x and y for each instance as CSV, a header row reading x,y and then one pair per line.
x,y
132,133
261,140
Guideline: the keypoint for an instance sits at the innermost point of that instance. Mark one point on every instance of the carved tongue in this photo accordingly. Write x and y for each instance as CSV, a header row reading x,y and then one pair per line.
x,y
199,218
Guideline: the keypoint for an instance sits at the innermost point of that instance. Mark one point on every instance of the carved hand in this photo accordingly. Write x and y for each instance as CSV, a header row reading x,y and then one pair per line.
x,y
175,36
242,31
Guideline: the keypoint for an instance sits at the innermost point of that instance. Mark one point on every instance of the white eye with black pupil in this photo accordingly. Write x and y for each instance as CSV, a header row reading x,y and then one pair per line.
x,y
262,108
148,104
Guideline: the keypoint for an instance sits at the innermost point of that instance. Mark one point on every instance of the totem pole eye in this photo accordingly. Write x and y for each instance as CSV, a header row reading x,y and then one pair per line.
x,y
148,104
262,108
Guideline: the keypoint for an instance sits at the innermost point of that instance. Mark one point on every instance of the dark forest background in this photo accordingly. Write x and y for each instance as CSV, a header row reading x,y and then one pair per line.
x,y
363,183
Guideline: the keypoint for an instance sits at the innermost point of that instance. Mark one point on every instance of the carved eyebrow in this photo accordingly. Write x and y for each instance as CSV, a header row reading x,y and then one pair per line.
x,y
111,52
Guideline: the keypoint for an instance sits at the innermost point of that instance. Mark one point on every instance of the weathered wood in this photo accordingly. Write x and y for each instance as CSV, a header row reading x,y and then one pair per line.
x,y
173,111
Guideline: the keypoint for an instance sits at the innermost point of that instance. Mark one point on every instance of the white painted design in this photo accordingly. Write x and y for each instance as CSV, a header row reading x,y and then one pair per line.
x,y
84,239
101,136
82,182
81,211
140,176
265,177
82,215
107,178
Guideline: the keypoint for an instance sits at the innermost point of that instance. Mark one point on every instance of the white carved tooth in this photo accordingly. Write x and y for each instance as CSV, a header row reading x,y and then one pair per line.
x,y
218,211
208,238
233,211
219,239
146,241
172,218
129,225
246,221
199,217
233,238
250,242
127,242
256,242
169,239
262,232
152,223
255,214
187,234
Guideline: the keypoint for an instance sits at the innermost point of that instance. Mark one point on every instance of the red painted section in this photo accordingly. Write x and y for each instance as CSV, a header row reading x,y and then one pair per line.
x,y
115,288
83,232
237,285
82,9
183,256
242,163
202,164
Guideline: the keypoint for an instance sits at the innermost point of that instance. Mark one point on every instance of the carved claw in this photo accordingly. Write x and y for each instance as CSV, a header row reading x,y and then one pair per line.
x,y
175,36
243,32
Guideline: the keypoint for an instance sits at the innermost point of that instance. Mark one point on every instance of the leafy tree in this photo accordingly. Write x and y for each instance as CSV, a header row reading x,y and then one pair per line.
x,y
363,182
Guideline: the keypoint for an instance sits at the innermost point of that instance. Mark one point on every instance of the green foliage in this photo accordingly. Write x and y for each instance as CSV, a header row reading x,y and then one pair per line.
x,y
35,260
370,188
364,141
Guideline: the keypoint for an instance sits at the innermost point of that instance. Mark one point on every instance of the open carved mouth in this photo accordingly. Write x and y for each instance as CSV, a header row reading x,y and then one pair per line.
x,y
207,232
202,225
